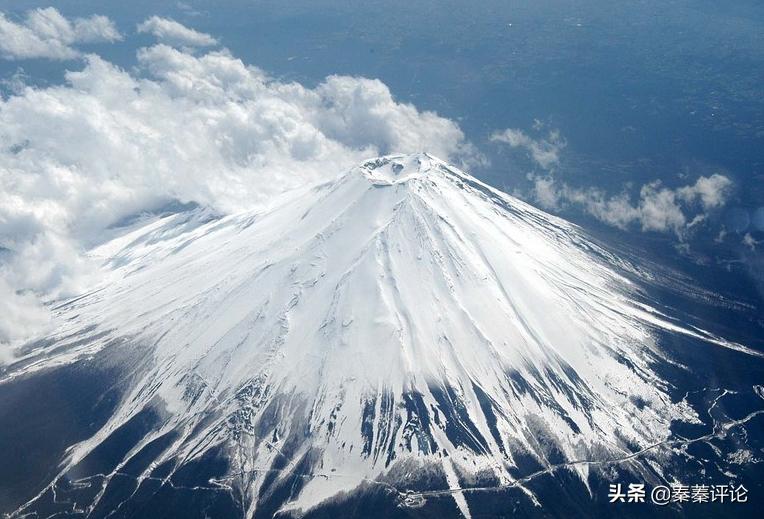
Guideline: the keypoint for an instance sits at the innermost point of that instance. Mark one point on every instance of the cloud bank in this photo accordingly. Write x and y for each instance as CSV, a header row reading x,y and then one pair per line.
x,y
173,33
77,157
46,33
657,208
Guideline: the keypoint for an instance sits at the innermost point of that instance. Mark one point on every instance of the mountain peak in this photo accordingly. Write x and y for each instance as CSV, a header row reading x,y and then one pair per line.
x,y
400,168
356,332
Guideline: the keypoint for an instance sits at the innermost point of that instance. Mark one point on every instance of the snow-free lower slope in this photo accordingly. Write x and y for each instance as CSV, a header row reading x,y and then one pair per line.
x,y
404,312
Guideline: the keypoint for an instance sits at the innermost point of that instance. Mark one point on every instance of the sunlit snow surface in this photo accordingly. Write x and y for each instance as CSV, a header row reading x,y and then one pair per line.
x,y
401,318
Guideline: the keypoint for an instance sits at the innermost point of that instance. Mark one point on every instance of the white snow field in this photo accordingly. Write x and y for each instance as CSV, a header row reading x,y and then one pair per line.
x,y
400,317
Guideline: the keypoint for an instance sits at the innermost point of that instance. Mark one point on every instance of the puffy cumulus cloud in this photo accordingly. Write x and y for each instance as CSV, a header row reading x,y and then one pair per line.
x,y
77,157
174,33
711,191
46,33
543,151
658,208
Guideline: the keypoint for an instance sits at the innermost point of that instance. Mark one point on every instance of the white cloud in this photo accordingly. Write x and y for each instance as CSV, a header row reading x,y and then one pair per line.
x,y
77,157
545,191
173,33
21,314
750,242
95,29
544,152
711,191
658,208
46,33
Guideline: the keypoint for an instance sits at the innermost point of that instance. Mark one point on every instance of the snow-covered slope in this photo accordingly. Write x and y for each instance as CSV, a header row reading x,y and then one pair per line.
x,y
402,315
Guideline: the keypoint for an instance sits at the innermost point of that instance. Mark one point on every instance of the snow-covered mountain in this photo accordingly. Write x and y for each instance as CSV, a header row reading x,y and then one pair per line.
x,y
401,322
